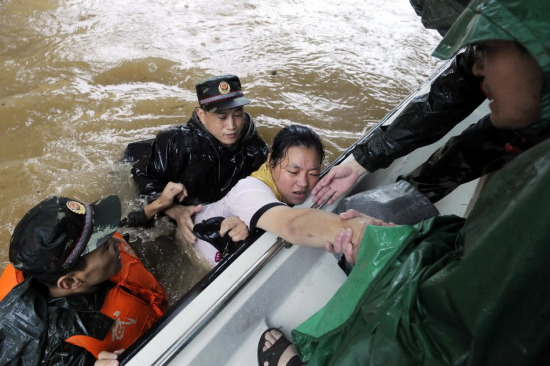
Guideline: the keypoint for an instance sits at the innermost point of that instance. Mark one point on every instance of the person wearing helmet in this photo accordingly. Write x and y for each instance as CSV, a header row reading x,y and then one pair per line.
x,y
73,287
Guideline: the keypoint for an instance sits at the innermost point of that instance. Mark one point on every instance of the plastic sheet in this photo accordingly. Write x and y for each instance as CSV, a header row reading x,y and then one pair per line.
x,y
399,203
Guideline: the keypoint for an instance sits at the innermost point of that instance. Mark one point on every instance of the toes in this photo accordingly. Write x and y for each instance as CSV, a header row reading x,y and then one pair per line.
x,y
274,335
271,338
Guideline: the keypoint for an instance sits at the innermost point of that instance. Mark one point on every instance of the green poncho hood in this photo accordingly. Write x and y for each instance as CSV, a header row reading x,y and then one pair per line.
x,y
522,21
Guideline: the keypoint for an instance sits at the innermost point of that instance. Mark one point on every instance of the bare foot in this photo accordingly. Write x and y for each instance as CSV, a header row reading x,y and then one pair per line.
x,y
270,339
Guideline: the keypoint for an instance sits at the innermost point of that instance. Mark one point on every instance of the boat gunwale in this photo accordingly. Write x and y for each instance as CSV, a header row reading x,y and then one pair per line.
x,y
187,299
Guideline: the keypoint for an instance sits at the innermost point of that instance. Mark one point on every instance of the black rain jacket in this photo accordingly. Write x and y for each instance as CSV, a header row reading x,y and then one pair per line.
x,y
189,154
33,327
452,97
480,149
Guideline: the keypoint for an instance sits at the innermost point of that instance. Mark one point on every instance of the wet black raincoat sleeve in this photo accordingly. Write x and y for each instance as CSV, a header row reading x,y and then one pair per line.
x,y
452,97
70,355
479,150
169,154
439,14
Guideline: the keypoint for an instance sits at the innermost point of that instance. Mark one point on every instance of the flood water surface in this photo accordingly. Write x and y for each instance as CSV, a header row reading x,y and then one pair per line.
x,y
81,79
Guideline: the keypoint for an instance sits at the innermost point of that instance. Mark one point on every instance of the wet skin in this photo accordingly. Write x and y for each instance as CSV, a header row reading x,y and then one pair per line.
x,y
102,264
225,126
296,175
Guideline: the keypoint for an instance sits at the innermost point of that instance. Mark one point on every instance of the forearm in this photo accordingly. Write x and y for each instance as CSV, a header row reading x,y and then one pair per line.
x,y
314,228
152,209
143,216
170,194
414,128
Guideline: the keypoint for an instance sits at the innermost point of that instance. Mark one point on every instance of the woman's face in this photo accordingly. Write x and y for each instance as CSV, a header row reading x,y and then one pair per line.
x,y
512,81
296,174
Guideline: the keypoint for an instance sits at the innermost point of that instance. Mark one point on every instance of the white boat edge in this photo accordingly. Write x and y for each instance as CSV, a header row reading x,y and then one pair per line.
x,y
274,285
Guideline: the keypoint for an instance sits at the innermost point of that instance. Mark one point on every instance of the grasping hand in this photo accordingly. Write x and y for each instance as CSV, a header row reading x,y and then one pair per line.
x,y
338,181
184,218
166,199
171,191
108,358
343,244
235,227
343,240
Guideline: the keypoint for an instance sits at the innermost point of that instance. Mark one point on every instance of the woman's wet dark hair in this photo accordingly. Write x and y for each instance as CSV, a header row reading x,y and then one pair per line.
x,y
294,136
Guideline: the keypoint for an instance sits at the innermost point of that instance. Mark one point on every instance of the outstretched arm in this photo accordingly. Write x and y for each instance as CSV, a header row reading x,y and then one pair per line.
x,y
307,226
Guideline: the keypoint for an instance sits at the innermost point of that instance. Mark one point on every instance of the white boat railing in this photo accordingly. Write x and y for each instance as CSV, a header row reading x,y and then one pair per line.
x,y
218,305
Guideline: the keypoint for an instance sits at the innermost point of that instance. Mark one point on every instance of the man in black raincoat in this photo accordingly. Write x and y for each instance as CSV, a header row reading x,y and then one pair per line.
x,y
199,162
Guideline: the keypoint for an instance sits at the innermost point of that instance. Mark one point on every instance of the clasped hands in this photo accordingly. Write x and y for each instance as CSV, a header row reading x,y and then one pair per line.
x,y
343,241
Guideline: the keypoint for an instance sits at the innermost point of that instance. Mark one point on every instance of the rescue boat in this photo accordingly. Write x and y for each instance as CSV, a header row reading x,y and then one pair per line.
x,y
271,283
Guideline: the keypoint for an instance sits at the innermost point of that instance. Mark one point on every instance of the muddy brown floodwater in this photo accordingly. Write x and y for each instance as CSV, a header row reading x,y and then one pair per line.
x,y
81,79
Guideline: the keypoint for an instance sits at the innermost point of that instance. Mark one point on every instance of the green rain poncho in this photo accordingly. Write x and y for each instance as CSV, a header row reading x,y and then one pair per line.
x,y
449,291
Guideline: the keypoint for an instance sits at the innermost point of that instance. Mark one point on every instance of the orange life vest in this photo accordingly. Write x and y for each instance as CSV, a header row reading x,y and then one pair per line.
x,y
9,279
136,302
